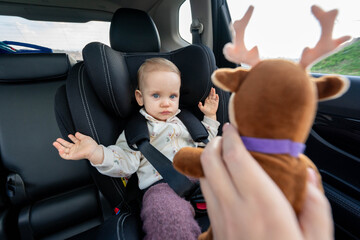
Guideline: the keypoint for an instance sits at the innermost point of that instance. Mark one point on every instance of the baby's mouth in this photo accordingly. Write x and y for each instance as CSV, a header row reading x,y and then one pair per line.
x,y
166,112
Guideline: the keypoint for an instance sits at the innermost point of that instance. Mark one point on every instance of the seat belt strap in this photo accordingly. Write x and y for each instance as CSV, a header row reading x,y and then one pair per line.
x,y
196,30
178,182
196,129
137,133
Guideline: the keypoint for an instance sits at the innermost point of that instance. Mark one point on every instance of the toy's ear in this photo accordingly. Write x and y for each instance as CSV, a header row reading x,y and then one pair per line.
x,y
330,87
229,79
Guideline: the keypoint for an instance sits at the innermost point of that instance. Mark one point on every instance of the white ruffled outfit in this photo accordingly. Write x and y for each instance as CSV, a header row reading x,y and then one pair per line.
x,y
167,137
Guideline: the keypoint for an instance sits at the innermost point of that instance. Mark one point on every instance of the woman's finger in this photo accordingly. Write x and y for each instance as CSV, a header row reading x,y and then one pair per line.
x,y
250,179
238,160
212,200
216,172
316,213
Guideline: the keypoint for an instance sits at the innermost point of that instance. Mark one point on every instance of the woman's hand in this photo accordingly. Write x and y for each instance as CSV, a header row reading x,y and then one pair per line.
x,y
244,203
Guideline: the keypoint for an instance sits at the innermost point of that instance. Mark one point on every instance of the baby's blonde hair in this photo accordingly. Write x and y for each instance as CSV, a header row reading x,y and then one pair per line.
x,y
156,64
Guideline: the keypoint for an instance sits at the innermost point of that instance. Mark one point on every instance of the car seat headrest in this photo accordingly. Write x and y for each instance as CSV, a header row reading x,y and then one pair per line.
x,y
113,75
133,30
34,67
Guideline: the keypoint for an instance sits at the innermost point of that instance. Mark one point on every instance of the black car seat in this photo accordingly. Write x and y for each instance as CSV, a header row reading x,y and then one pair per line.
x,y
98,98
42,196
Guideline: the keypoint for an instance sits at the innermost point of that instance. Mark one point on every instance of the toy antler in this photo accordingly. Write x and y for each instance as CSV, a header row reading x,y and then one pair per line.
x,y
236,51
325,44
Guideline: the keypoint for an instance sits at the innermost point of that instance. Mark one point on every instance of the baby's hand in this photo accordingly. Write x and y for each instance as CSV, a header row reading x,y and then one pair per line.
x,y
211,105
83,147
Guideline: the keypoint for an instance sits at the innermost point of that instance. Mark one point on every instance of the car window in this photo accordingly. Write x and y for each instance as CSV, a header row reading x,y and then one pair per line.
x,y
185,21
282,29
57,36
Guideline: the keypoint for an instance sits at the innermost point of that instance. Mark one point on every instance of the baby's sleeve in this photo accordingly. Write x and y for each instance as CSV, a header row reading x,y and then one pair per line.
x,y
119,159
211,126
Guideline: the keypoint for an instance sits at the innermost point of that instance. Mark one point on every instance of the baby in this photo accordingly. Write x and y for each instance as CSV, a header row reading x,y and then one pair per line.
x,y
165,215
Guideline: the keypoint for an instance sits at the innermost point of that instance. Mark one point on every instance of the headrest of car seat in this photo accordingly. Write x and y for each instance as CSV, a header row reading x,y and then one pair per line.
x,y
133,30
34,67
113,75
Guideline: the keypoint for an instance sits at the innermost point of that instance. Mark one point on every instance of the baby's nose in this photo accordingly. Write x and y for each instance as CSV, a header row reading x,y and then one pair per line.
x,y
165,102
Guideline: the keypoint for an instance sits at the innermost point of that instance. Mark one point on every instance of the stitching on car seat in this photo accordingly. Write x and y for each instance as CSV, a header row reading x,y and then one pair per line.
x,y
105,72
119,190
82,98
122,225
223,102
115,107
208,64
108,81
86,104
111,88
91,122
93,128
92,125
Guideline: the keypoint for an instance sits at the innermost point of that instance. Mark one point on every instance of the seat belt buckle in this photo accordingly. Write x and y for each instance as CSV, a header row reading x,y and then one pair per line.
x,y
199,205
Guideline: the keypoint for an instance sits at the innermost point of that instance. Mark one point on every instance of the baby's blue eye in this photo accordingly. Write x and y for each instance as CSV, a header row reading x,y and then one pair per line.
x,y
173,96
156,95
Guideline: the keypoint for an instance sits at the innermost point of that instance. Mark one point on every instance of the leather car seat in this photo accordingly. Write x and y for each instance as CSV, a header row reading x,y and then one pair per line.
x,y
43,196
99,99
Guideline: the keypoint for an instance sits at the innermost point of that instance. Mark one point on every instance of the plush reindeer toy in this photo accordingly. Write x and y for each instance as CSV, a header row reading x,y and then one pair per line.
x,y
273,106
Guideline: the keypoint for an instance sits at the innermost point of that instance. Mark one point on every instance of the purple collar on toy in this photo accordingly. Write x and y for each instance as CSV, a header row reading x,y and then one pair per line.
x,y
273,146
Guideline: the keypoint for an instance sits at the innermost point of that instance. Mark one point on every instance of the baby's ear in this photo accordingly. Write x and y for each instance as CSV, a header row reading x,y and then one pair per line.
x,y
139,98
229,79
330,87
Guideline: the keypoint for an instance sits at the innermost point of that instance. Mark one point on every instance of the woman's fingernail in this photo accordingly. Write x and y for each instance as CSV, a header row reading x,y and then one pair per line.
x,y
226,125
312,176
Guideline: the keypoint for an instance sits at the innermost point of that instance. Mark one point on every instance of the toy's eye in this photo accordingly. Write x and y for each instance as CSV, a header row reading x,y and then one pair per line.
x,y
155,95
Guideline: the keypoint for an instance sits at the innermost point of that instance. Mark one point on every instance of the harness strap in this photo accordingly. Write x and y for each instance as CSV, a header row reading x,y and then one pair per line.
x,y
137,133
178,182
196,129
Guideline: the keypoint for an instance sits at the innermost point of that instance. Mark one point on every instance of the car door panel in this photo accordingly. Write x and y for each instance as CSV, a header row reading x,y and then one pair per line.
x,y
334,146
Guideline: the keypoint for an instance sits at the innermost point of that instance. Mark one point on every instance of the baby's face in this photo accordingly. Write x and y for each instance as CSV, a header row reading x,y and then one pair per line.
x,y
159,94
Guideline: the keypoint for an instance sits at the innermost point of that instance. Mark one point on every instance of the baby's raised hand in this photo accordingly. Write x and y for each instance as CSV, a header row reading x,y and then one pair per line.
x,y
83,147
210,105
